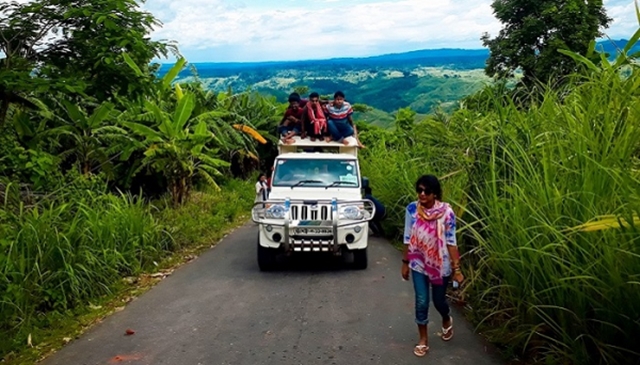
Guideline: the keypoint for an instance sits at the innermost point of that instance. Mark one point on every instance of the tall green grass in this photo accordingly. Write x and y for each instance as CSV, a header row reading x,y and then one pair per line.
x,y
60,254
63,253
393,163
561,293
543,284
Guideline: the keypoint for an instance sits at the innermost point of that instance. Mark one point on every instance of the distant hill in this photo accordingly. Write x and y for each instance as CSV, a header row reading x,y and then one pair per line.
x,y
463,59
455,58
422,79
613,47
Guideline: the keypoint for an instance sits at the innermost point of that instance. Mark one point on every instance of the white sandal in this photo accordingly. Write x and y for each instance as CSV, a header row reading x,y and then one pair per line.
x,y
448,331
420,350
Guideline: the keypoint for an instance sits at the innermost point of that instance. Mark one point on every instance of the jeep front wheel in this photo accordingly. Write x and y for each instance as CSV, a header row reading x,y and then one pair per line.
x,y
266,258
360,259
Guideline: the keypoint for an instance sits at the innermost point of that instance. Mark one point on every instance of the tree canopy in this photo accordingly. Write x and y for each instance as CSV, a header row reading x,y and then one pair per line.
x,y
533,33
75,46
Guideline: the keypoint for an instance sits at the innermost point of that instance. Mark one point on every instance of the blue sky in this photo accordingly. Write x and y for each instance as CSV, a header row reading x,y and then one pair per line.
x,y
269,30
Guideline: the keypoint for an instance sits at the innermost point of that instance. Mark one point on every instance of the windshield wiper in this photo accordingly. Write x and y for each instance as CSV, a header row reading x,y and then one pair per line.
x,y
302,182
336,183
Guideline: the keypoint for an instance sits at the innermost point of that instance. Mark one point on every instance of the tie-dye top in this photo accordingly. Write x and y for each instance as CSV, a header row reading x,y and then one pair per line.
x,y
428,231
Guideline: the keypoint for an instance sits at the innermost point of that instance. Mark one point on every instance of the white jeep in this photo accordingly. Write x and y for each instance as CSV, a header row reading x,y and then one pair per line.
x,y
315,204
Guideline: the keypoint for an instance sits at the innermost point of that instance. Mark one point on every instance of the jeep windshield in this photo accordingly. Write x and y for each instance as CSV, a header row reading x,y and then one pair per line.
x,y
316,173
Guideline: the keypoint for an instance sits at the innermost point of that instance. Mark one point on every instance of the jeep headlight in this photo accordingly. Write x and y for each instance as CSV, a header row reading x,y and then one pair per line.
x,y
275,212
351,212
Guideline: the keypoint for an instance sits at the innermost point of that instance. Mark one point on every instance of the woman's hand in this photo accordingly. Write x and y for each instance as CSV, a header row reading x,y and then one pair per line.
x,y
405,271
458,277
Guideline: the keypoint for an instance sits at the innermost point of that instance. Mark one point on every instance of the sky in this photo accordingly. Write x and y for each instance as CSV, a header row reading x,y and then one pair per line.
x,y
279,30
274,30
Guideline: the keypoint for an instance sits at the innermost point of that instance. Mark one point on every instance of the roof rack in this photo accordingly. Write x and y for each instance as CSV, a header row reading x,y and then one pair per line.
x,y
307,145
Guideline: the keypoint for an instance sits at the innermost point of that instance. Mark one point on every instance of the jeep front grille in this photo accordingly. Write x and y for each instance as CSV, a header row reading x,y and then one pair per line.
x,y
311,212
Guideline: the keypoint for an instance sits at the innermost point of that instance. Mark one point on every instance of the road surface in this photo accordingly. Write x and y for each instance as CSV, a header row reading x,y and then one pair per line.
x,y
220,309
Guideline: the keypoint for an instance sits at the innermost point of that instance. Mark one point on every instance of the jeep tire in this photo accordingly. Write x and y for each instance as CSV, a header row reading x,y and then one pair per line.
x,y
267,258
360,259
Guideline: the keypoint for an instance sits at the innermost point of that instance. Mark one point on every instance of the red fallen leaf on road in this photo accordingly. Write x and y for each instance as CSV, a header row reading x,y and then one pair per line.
x,y
122,358
129,332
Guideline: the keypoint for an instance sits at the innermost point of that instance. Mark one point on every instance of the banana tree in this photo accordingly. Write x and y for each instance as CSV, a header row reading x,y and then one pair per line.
x,y
220,110
234,119
178,145
257,117
92,139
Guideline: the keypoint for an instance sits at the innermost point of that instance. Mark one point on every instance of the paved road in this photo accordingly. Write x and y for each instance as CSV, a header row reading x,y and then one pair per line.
x,y
220,309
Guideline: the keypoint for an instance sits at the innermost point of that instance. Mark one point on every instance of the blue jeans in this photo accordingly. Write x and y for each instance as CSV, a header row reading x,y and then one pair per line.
x,y
421,286
339,129
284,129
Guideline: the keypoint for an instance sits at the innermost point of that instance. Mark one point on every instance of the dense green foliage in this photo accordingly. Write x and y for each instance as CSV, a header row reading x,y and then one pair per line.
x,y
75,47
535,30
100,158
548,199
191,224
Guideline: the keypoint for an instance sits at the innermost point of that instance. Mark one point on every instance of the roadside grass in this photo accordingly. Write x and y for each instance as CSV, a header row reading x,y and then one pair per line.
x,y
66,266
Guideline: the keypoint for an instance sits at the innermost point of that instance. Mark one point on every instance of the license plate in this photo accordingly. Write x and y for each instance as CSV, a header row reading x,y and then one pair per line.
x,y
313,231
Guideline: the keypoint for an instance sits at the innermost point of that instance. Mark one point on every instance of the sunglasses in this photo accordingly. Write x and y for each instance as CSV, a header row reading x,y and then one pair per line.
x,y
423,190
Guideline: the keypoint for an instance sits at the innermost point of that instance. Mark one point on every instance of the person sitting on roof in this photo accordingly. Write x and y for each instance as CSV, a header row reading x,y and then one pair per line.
x,y
340,123
302,102
292,120
314,121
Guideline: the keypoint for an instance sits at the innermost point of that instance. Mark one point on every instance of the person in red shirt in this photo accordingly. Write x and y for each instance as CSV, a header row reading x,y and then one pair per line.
x,y
292,119
269,179
301,101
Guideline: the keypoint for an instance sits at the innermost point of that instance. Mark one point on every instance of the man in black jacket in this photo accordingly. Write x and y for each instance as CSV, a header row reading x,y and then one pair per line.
x,y
381,213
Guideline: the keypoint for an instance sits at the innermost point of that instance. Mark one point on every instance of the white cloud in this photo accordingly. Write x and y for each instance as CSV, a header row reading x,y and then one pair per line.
x,y
218,30
258,30
625,22
223,30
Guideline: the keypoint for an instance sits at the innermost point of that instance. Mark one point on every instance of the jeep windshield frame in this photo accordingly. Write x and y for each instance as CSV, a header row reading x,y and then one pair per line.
x,y
288,172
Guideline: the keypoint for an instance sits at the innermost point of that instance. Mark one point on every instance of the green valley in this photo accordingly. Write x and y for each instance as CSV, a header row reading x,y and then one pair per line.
x,y
424,81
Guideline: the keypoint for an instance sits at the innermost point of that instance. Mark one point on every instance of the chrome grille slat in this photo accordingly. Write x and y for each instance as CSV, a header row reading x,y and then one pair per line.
x,y
306,212
311,245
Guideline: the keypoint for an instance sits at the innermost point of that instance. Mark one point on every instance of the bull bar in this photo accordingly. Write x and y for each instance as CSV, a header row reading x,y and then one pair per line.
x,y
258,215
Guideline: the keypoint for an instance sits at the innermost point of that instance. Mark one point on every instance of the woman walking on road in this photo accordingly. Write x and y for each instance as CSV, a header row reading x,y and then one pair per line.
x,y
430,256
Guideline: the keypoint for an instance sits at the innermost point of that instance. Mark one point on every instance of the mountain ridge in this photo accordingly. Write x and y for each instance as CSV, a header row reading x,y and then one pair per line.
x,y
603,45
